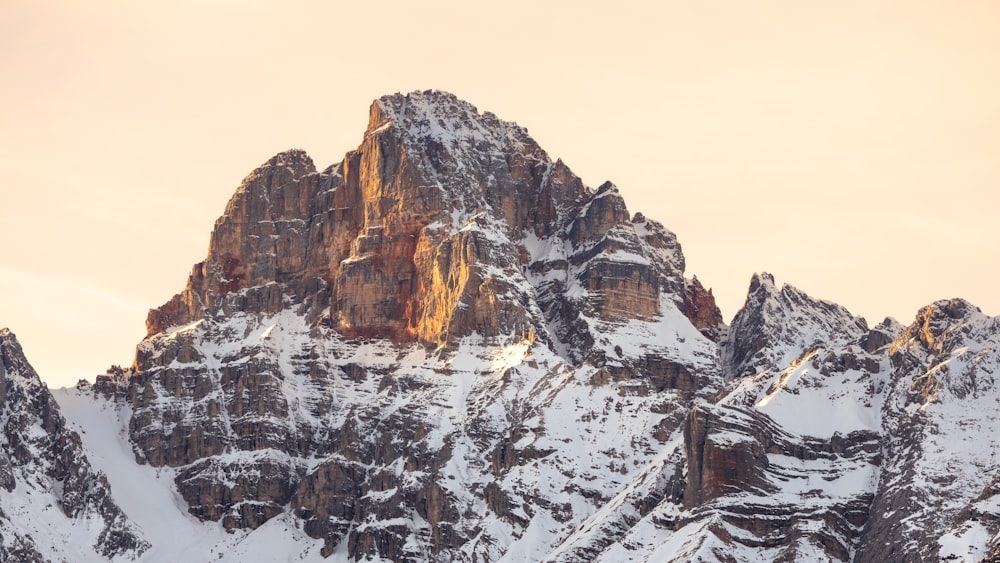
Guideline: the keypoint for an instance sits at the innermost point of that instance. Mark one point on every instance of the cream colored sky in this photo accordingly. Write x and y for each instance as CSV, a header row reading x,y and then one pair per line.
x,y
851,148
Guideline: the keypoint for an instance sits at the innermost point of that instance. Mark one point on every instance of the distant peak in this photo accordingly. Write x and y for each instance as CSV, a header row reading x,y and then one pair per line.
x,y
774,327
8,338
881,335
427,100
430,108
290,157
288,165
12,360
890,325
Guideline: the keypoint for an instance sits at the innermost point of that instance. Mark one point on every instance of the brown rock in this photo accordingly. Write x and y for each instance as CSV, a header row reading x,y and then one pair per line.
x,y
279,227
719,467
701,309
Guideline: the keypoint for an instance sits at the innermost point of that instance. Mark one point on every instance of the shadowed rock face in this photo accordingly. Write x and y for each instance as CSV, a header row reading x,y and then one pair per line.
x,y
776,326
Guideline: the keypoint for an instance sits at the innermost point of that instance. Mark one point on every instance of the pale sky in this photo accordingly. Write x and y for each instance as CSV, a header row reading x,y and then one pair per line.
x,y
851,149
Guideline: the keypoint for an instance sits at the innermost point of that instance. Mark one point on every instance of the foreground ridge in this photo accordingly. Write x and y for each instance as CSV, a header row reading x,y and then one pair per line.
x,y
52,502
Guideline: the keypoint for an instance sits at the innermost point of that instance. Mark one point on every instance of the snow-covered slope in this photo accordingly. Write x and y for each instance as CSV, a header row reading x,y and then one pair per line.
x,y
940,426
149,499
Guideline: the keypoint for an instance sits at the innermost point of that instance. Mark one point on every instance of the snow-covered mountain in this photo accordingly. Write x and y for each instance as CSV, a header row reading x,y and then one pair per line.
x,y
447,348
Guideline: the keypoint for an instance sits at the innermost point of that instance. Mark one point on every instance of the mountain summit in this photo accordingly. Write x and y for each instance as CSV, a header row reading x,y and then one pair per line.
x,y
444,223
446,347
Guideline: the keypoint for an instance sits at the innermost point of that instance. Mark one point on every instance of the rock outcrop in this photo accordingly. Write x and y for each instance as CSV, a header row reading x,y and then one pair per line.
x,y
938,419
700,307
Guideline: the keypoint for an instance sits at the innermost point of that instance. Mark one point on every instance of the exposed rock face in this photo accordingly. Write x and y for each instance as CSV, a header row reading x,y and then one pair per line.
x,y
276,238
447,348
48,487
744,466
423,231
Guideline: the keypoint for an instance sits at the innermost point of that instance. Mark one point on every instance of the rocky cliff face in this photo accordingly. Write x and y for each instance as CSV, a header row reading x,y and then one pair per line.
x,y
52,503
445,347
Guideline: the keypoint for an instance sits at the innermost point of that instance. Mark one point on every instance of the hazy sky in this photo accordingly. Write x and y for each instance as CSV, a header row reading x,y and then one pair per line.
x,y
851,149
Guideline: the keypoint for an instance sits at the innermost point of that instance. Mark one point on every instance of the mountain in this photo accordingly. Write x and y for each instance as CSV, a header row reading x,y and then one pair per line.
x,y
446,347
390,349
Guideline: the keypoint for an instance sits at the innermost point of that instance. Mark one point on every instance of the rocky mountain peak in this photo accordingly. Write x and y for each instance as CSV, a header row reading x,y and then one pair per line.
x,y
761,282
940,329
428,231
701,308
775,325
881,335
12,359
297,161
939,417
936,322
269,242
467,163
